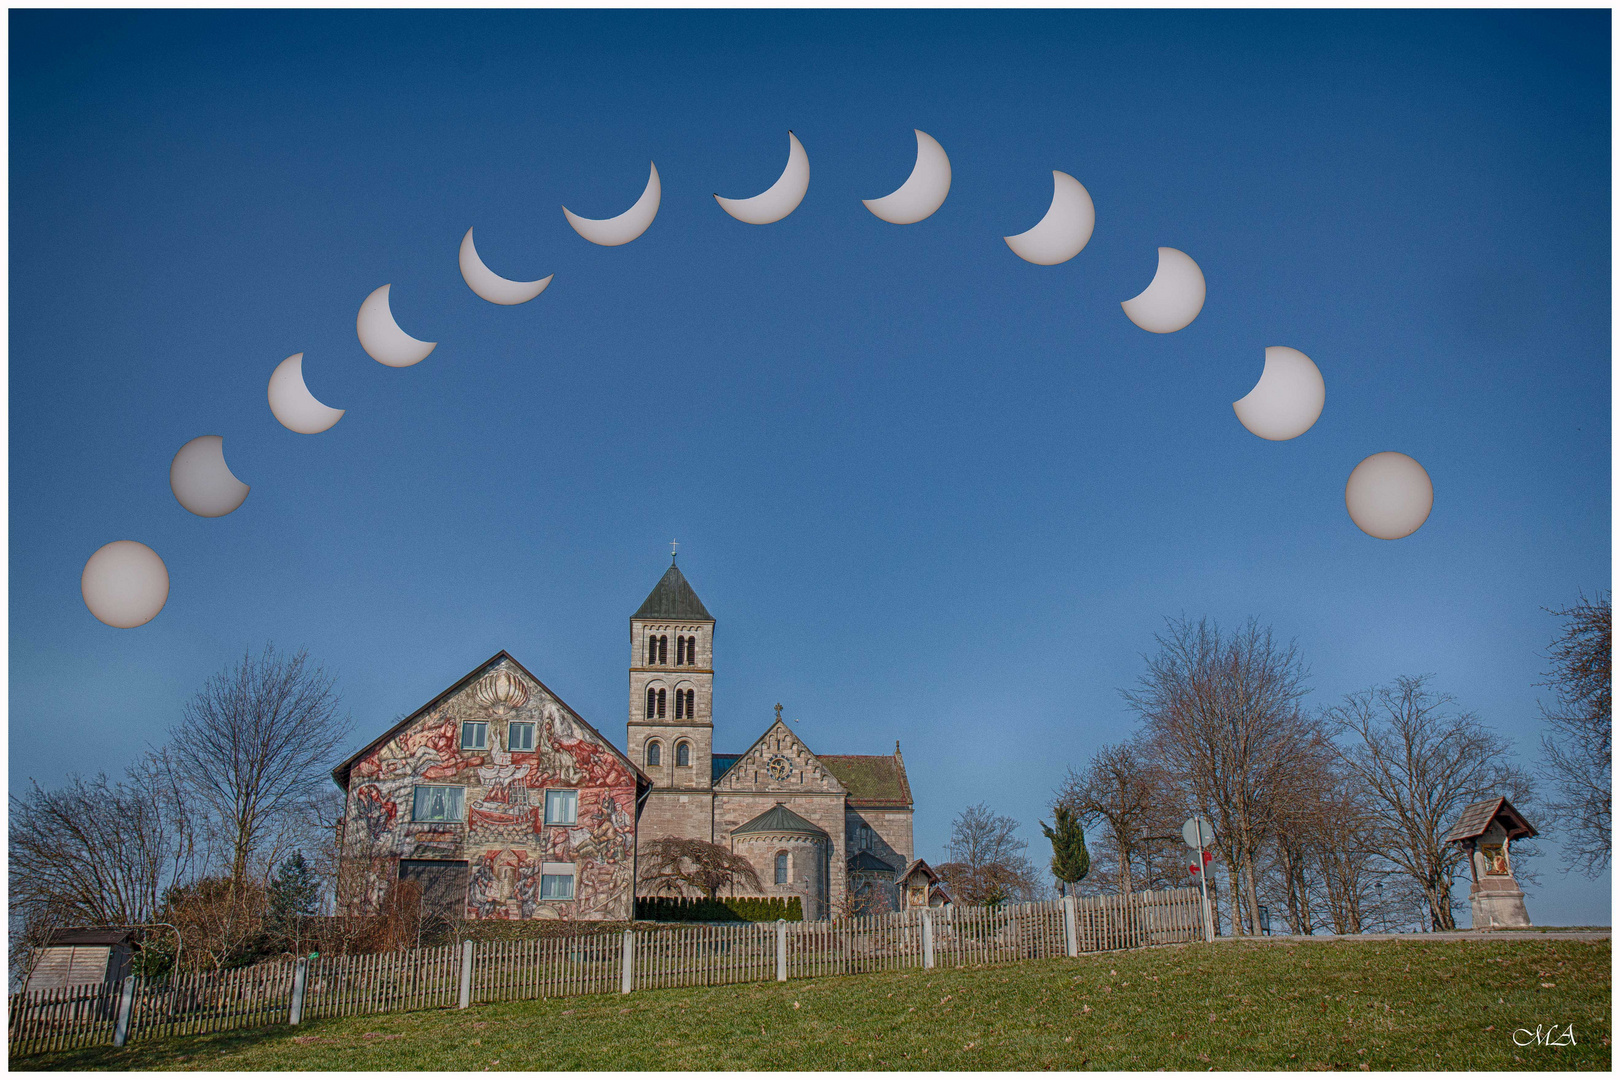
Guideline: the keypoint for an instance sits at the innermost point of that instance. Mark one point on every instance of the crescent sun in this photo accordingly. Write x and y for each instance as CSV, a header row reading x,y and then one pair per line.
x,y
293,404
1287,400
613,231
490,285
1172,299
924,190
781,198
1066,228
202,482
381,336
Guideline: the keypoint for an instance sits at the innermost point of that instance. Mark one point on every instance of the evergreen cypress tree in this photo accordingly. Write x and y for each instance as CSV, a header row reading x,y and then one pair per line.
x,y
1070,860
294,894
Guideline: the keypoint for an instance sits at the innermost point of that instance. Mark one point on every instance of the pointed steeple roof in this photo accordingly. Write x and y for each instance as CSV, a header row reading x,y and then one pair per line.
x,y
673,598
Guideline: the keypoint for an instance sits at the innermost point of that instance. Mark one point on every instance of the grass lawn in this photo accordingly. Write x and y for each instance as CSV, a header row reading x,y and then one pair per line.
x,y
1344,1005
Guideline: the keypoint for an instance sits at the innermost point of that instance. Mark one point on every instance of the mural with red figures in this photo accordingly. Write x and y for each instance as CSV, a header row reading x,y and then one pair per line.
x,y
499,776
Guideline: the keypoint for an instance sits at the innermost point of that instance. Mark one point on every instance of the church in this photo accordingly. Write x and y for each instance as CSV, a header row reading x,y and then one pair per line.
x,y
832,829
499,801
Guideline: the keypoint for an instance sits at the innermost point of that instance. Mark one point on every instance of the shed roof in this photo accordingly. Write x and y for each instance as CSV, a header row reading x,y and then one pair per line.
x,y
1477,817
89,936
873,780
673,598
779,819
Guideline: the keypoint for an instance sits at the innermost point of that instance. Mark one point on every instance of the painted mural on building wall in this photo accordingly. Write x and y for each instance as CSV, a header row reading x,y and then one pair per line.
x,y
476,777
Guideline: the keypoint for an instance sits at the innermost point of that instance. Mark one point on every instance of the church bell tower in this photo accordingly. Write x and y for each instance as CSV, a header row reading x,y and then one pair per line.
x,y
671,730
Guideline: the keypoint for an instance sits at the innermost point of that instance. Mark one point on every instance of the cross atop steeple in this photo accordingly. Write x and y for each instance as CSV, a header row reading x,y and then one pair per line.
x,y
673,544
778,712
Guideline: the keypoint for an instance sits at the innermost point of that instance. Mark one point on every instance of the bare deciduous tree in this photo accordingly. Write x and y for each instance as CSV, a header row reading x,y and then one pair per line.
x,y
255,745
97,852
1576,757
1222,717
1126,794
671,865
1419,762
987,863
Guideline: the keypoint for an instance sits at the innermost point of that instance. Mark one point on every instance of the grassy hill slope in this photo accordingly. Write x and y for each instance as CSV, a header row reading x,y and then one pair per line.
x,y
1368,1005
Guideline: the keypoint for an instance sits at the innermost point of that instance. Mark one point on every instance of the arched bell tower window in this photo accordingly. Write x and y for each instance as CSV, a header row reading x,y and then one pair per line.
x,y
691,704
680,651
680,705
663,648
652,702
660,703
683,753
655,752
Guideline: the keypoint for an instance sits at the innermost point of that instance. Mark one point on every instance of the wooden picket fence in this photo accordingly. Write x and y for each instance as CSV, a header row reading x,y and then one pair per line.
x,y
675,955
65,1018
547,967
704,955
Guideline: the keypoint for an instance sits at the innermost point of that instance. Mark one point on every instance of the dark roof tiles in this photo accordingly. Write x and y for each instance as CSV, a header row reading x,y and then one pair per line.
x,y
1477,817
778,819
673,598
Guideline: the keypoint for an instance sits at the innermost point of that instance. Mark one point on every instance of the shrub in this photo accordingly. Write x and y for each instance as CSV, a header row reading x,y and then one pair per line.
x,y
720,909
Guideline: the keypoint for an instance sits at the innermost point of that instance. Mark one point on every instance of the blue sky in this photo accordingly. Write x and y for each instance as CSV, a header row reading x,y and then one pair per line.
x,y
930,492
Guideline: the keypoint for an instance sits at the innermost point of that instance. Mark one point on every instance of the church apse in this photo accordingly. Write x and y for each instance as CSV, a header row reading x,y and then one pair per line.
x,y
503,779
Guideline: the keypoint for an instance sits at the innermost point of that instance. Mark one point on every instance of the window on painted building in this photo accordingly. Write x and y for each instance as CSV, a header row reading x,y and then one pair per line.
x,y
781,868
556,881
436,803
562,808
475,735
655,754
683,753
520,737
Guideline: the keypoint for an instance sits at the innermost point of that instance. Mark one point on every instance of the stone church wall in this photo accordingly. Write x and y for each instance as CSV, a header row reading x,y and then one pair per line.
x,y
824,811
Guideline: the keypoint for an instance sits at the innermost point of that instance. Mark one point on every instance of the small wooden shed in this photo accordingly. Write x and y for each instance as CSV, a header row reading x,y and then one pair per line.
x,y
1485,830
80,957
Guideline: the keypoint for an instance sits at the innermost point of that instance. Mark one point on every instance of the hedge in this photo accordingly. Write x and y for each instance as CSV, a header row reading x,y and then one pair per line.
x,y
722,909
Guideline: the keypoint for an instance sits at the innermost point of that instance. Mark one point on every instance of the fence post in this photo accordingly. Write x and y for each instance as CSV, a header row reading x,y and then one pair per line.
x,y
1071,936
466,974
627,980
126,1005
928,938
295,1013
781,950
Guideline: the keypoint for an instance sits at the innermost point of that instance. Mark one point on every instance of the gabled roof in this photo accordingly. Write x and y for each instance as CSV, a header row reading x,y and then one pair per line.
x,y
673,598
916,865
1477,817
779,819
873,780
832,779
340,775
